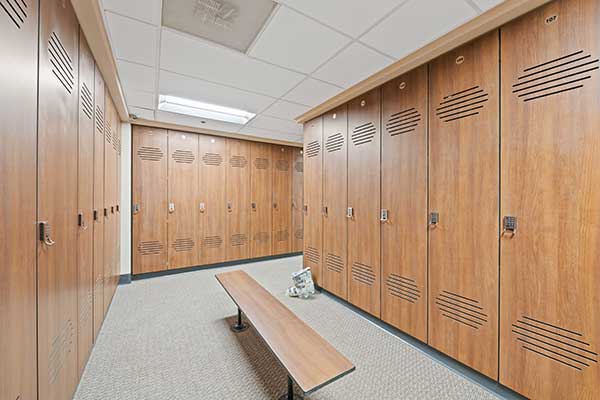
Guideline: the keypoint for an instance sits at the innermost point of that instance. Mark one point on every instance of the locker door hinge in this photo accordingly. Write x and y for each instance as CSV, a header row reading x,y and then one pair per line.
x,y
509,226
135,209
434,219
384,215
350,212
326,211
45,233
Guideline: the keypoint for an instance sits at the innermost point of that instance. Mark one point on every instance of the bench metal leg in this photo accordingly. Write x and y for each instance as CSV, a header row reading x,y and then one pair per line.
x,y
290,391
240,326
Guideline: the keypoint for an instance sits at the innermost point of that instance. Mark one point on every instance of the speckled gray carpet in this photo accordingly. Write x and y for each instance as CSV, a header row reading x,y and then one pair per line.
x,y
169,338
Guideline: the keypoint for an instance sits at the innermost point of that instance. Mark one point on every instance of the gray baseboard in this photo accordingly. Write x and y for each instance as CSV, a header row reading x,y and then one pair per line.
x,y
124,279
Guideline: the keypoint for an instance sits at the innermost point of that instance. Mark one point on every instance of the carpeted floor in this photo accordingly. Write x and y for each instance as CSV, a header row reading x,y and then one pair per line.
x,y
169,338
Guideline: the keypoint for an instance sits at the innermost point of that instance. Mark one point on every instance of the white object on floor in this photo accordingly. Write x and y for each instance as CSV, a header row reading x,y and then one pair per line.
x,y
303,284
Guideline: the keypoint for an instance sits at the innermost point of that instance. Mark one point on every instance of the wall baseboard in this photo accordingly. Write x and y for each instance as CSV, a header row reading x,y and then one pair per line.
x,y
124,279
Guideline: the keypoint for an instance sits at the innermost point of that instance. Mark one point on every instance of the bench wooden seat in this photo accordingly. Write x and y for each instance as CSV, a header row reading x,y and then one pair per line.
x,y
311,362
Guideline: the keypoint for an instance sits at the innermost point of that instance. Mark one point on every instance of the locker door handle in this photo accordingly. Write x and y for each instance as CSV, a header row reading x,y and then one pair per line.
x,y
350,212
434,219
326,211
81,222
171,208
384,215
106,212
112,209
202,207
305,209
45,234
509,226
253,205
229,207
95,215
135,209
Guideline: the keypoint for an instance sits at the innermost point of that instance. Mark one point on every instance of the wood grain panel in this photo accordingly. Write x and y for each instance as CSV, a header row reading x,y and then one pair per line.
x,y
238,199
183,234
297,200
335,201
18,140
404,196
463,189
261,188
57,200
550,325
149,198
364,188
282,199
313,197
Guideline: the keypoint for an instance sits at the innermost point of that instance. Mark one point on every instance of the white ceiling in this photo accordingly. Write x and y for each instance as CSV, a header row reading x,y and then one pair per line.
x,y
309,51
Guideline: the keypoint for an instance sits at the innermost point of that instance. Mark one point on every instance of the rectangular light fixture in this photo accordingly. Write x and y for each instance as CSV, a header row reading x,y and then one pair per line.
x,y
203,110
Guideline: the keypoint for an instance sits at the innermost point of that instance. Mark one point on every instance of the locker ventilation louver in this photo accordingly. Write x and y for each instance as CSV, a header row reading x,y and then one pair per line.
x,y
116,143
282,236
213,159
334,263
299,166
150,248
556,76
183,245
334,142
99,120
87,103
238,161
16,11
62,65
403,122
62,345
183,157
146,153
564,346
313,149
108,131
461,309
299,234
261,237
212,242
282,165
463,104
363,273
312,255
363,134
261,163
238,239
403,288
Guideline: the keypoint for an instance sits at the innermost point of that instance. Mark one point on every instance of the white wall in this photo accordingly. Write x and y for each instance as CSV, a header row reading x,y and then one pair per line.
x,y
125,198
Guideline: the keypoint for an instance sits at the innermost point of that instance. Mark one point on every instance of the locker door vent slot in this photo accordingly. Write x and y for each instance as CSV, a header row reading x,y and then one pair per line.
x,y
183,156
238,239
212,242
108,131
299,234
403,122
183,245
87,103
403,288
363,273
261,237
564,346
363,134
556,76
99,120
62,345
463,104
261,163
334,142
334,263
282,236
312,255
282,165
461,309
16,11
62,65
238,161
299,166
313,148
212,159
150,248
116,143
150,153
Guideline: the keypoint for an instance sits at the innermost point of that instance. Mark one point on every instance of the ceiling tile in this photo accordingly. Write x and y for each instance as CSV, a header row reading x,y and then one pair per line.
x,y
352,65
145,10
142,113
285,110
352,17
138,98
487,4
297,42
132,40
187,120
196,89
135,76
265,133
417,22
276,124
195,57
312,92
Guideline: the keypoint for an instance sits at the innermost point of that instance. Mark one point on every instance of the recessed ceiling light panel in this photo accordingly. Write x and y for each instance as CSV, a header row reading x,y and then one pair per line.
x,y
204,110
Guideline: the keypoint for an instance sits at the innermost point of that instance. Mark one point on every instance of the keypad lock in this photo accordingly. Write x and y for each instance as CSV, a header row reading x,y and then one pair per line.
x,y
350,212
171,207
434,219
509,226
384,215
46,234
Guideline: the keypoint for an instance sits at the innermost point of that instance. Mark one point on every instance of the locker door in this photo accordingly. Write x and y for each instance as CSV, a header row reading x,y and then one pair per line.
x,y
282,199
404,197
110,164
98,226
364,280
149,199
183,197
313,197
335,202
85,202
297,200
550,325
18,97
57,200
261,197
238,199
463,191
118,201
213,201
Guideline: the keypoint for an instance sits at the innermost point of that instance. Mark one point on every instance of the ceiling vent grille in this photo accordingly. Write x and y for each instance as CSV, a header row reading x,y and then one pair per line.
x,y
463,104
216,13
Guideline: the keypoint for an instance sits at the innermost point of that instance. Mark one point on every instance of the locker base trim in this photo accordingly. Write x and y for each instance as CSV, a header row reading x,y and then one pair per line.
x,y
125,279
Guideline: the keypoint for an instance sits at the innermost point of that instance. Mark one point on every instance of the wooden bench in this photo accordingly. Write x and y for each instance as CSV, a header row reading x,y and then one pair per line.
x,y
310,361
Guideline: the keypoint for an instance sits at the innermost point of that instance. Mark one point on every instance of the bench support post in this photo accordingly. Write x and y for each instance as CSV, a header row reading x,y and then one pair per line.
x,y
240,326
290,391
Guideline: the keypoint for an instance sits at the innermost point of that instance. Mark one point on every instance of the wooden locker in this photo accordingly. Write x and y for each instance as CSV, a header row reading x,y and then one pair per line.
x,y
282,199
212,200
98,225
238,199
18,97
335,202
57,200
364,279
110,164
404,199
150,200
85,203
463,195
183,200
313,197
261,197
297,200
119,134
550,324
